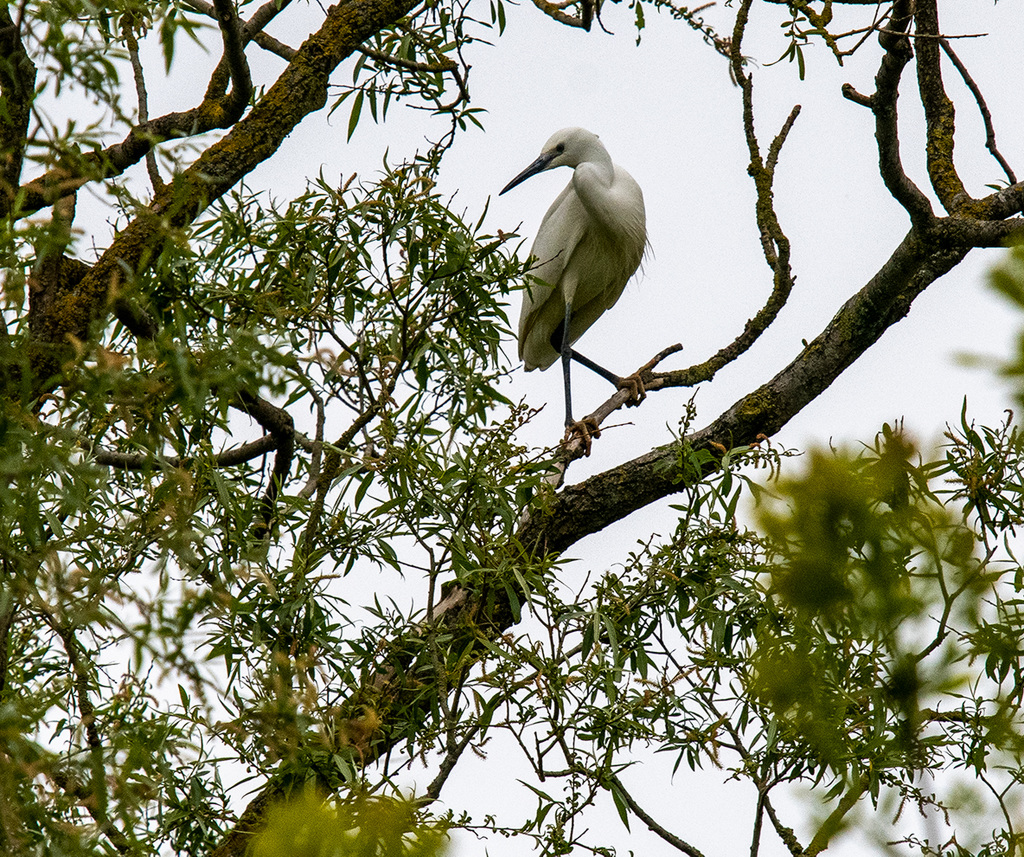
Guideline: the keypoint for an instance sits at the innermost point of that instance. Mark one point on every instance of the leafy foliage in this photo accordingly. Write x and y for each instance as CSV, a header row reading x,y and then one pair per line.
x,y
363,826
262,513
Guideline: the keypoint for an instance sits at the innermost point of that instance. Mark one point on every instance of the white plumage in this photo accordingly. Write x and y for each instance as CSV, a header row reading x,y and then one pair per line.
x,y
590,243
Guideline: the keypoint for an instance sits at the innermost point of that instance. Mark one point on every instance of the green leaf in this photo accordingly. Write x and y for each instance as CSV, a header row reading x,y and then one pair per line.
x,y
620,802
353,116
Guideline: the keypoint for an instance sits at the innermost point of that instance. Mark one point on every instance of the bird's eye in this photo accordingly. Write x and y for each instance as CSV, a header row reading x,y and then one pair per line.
x,y
560,148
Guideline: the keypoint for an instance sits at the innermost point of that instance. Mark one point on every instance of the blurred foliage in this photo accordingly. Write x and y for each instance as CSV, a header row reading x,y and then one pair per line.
x,y
360,826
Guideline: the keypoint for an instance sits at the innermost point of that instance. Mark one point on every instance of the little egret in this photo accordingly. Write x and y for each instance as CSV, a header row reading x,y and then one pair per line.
x,y
590,242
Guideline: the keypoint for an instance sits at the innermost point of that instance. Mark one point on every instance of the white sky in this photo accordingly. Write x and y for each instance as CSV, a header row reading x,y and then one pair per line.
x,y
668,113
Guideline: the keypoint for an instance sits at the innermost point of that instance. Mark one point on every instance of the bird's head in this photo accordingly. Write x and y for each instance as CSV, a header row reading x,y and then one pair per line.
x,y
569,147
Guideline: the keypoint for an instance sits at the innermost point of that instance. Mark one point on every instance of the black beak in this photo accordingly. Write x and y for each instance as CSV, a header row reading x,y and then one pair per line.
x,y
537,166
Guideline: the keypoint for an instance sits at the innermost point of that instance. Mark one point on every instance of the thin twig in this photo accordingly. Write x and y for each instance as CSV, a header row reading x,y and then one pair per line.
x,y
990,131
776,147
933,35
91,800
140,91
640,813
446,767
143,461
411,65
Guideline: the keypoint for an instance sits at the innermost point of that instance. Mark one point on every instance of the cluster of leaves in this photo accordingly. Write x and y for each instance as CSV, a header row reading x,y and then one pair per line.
x,y
134,567
360,826
415,64
807,25
865,633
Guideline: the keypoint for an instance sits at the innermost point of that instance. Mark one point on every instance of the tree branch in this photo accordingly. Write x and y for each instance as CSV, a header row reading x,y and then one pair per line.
x,y
1005,202
556,11
17,87
8,610
143,461
940,115
300,90
253,28
234,57
641,813
830,825
775,246
279,424
387,59
986,116
590,506
898,53
963,232
143,98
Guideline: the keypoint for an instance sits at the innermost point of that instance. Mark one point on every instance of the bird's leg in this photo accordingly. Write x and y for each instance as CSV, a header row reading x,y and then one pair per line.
x,y
633,384
586,429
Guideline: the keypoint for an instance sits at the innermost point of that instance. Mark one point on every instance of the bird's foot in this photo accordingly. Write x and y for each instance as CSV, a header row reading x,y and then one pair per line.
x,y
586,431
634,386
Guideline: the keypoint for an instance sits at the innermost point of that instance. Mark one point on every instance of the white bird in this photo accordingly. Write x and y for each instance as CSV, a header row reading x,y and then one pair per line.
x,y
590,242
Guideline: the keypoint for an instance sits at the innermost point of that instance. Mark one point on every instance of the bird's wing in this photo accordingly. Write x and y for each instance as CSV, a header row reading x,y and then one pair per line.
x,y
610,253
561,232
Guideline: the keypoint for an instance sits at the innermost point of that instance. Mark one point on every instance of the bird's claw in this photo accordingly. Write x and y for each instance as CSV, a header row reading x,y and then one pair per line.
x,y
634,386
586,430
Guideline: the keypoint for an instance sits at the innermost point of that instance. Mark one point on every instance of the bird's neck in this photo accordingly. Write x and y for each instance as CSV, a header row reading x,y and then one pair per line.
x,y
599,162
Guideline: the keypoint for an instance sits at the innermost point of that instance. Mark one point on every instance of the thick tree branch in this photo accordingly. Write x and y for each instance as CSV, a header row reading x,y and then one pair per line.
x,y
53,274
940,115
1005,202
590,506
17,87
898,53
962,232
